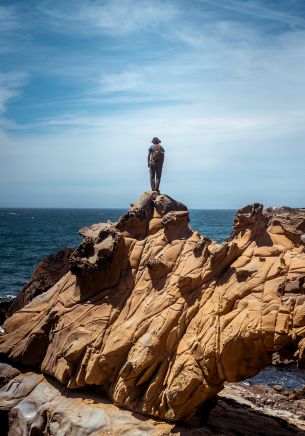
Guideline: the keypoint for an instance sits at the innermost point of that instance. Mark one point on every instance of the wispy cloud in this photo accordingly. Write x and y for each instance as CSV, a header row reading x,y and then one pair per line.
x,y
8,18
9,26
121,82
11,84
259,9
113,17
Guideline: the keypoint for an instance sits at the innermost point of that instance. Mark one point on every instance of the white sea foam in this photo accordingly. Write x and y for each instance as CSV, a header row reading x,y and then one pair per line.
x,y
7,297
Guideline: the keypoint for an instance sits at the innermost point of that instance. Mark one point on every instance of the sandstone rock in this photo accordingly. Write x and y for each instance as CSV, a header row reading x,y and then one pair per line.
x,y
32,404
159,317
36,406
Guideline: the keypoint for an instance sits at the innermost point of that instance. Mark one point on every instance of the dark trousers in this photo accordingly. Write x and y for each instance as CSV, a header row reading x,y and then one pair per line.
x,y
155,170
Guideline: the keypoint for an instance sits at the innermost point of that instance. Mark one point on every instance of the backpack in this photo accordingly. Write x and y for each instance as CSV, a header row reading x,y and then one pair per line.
x,y
157,152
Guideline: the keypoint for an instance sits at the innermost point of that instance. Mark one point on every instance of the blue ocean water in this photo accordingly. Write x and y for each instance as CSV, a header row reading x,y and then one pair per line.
x,y
27,235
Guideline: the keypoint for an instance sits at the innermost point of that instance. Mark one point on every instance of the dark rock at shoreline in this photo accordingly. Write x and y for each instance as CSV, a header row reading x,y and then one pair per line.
x,y
46,273
5,303
276,402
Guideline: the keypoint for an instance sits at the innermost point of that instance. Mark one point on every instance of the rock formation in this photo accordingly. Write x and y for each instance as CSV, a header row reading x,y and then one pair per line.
x,y
158,317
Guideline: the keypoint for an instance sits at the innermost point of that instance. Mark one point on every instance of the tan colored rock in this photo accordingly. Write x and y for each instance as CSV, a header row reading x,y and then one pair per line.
x,y
32,404
160,317
35,405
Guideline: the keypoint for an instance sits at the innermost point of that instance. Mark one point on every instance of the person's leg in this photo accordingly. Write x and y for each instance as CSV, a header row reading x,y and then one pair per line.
x,y
152,170
158,174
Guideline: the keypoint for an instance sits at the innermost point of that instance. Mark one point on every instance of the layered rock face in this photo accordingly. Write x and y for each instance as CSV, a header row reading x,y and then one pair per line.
x,y
159,317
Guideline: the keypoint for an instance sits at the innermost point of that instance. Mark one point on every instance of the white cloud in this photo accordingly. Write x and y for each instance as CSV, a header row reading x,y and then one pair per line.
x,y
11,84
121,82
211,161
9,27
8,19
113,17
258,9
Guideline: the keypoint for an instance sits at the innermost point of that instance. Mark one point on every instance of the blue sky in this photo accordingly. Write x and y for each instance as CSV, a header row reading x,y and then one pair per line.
x,y
85,85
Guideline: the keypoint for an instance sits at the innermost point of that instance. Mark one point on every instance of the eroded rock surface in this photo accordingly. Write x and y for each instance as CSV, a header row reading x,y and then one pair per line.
x,y
31,404
35,405
159,317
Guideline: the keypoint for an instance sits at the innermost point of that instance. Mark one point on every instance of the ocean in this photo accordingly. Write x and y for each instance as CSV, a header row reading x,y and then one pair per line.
x,y
28,235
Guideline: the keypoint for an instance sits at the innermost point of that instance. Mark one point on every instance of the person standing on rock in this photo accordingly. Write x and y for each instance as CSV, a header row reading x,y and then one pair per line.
x,y
155,161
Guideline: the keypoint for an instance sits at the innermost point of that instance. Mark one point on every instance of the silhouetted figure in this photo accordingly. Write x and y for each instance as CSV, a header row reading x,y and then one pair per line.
x,y
155,161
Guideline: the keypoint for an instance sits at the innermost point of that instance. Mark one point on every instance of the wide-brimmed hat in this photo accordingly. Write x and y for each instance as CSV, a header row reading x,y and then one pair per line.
x,y
156,140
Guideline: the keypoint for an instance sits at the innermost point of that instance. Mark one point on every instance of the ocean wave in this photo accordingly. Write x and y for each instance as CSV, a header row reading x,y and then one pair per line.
x,y
7,297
